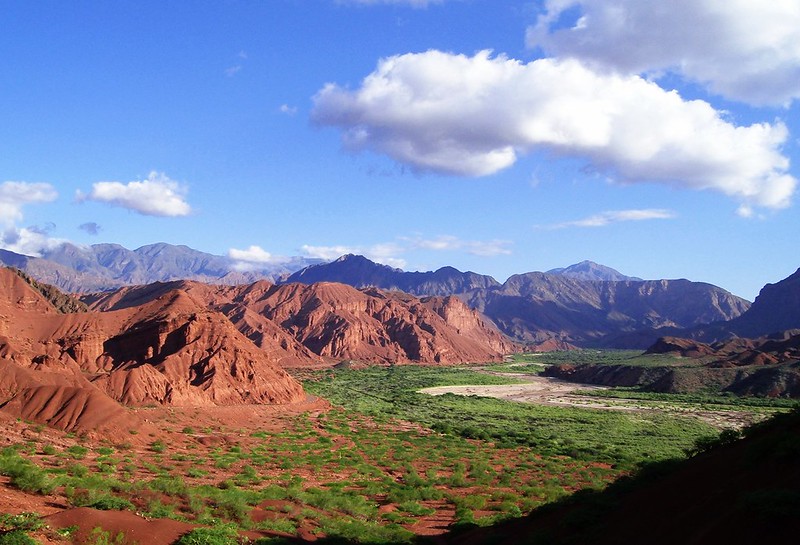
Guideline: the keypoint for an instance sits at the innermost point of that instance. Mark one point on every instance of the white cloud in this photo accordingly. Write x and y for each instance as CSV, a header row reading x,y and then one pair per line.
x,y
233,70
385,253
615,216
15,195
473,116
474,247
25,240
742,49
28,241
288,110
253,254
252,257
156,196
388,253
328,253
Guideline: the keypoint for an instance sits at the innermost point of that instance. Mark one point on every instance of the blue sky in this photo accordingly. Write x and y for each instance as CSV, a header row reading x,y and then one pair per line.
x,y
493,136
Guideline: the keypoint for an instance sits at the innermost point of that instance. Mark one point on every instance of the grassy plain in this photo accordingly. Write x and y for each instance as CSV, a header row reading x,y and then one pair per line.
x,y
384,464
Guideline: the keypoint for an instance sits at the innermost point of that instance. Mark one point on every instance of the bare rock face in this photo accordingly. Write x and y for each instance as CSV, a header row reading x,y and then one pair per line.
x,y
340,322
68,369
308,325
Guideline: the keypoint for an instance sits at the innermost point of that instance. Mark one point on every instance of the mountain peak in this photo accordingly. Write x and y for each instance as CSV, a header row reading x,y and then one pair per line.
x,y
589,270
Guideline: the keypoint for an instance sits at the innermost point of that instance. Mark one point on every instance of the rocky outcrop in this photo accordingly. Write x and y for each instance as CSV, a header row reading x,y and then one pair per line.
x,y
61,368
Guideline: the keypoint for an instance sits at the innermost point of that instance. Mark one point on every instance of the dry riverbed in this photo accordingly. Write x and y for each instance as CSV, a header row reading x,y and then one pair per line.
x,y
551,391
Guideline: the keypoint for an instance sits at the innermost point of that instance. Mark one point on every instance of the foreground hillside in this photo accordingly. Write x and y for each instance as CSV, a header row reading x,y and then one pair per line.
x,y
735,492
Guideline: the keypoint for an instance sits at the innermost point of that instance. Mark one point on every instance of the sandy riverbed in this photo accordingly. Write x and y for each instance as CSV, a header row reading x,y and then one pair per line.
x,y
550,391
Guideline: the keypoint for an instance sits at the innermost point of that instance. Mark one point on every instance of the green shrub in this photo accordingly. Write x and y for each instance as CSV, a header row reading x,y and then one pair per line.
x,y
17,537
25,475
221,534
77,452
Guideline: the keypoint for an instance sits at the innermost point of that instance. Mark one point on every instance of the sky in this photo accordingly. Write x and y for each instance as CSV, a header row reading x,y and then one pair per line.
x,y
658,138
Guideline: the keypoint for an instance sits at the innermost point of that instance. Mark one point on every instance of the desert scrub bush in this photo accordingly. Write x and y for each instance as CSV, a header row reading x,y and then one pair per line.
x,y
285,525
358,531
48,450
415,508
17,537
104,502
196,473
14,528
221,534
98,536
77,452
24,474
158,446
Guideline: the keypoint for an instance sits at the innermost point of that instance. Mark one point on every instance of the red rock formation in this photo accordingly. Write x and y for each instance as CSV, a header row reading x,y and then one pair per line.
x,y
66,369
302,325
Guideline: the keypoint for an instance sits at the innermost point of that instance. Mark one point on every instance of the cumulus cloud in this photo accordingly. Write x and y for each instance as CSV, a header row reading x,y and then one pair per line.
x,y
25,240
90,227
156,196
15,195
745,50
473,116
250,258
616,216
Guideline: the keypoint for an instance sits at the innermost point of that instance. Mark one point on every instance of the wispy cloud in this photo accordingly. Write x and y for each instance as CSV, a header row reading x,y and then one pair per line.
x,y
614,216
411,3
288,110
394,253
233,70
236,68
452,243
158,195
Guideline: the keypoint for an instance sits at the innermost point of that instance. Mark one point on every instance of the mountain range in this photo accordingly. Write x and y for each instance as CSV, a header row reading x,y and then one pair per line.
x,y
585,304
581,304
101,267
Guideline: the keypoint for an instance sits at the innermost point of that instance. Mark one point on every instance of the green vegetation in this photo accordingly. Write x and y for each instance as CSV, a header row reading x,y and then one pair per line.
x,y
14,528
625,440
